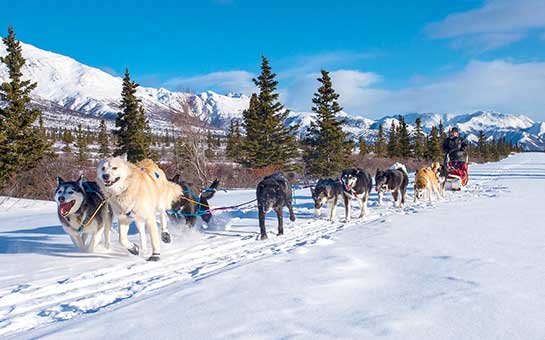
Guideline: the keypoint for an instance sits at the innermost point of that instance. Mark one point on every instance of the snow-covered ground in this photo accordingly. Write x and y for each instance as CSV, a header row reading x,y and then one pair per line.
x,y
469,267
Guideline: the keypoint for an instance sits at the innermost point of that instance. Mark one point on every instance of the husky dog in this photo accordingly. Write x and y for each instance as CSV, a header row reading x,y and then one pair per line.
x,y
273,192
426,182
138,192
442,174
77,201
328,190
356,183
186,204
395,180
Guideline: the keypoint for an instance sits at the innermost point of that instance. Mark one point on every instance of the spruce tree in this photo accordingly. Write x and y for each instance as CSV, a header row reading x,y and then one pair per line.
x,y
133,135
419,147
327,148
404,140
380,143
234,141
81,144
363,147
67,139
22,146
441,130
434,152
481,145
104,144
268,141
393,142
209,152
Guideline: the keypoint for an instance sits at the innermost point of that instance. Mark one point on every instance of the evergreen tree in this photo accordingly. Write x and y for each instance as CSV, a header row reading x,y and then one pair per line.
x,y
380,143
481,145
404,140
81,144
327,148
67,139
419,146
434,152
363,147
441,130
209,152
22,147
393,144
104,145
268,142
133,135
234,141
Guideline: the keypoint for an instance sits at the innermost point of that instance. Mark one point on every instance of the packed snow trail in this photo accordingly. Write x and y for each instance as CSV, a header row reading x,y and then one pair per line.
x,y
44,283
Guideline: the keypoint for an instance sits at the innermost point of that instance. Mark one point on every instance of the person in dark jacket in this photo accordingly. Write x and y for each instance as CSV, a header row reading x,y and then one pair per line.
x,y
454,145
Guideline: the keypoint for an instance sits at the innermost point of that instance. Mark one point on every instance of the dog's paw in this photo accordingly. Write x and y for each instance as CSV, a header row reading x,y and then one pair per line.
x,y
165,236
154,257
134,250
263,237
292,218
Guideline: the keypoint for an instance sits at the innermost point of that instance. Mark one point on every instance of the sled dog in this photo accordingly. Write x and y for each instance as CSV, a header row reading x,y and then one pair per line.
x,y
193,202
356,183
80,202
274,192
427,183
394,180
138,192
328,191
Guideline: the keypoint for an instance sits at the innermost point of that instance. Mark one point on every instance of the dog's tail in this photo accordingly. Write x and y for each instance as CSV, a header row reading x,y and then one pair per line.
x,y
205,195
435,166
209,192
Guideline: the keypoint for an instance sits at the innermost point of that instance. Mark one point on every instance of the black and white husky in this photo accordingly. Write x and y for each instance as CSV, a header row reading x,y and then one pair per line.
x,y
77,202
394,180
356,183
329,191
273,192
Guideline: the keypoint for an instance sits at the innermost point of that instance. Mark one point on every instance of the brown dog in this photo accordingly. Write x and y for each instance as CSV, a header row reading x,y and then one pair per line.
x,y
426,182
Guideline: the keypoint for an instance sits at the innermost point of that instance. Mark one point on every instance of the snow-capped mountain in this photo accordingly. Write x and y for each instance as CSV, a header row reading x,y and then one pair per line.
x,y
67,87
515,128
71,93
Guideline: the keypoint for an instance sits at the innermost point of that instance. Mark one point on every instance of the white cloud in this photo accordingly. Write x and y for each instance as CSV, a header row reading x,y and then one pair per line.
x,y
498,85
497,23
222,82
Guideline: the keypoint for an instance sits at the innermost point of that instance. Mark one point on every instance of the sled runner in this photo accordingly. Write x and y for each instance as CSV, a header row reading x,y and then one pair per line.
x,y
457,170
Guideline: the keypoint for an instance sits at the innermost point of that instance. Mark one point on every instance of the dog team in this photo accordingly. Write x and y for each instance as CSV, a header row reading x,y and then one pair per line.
x,y
138,192
131,193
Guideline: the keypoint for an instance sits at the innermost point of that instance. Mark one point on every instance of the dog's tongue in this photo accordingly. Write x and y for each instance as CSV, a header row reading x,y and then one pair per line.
x,y
64,208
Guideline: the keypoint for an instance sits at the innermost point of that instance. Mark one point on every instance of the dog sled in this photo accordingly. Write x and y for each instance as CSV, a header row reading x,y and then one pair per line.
x,y
457,165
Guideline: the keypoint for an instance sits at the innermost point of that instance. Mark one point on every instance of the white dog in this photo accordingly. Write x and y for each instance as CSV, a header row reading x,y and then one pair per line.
x,y
138,192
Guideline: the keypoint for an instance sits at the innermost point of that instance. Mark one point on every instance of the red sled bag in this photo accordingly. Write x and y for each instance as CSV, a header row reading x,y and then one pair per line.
x,y
458,170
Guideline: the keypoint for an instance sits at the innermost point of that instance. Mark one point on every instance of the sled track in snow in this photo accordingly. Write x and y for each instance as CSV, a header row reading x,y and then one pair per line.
x,y
39,303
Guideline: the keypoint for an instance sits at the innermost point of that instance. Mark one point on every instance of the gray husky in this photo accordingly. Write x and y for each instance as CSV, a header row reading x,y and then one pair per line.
x,y
394,180
274,192
356,183
329,191
193,202
77,202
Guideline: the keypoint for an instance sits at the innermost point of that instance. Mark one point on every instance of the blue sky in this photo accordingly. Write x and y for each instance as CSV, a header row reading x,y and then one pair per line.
x,y
386,56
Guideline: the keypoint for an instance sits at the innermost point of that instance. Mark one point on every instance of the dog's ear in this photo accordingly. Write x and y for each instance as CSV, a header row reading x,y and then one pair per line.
x,y
312,191
124,157
59,180
378,171
176,178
